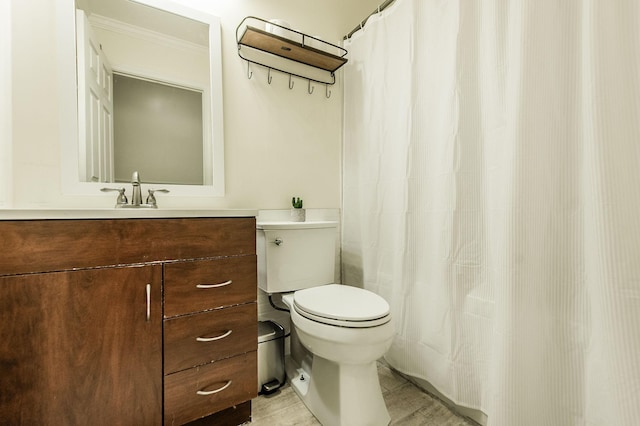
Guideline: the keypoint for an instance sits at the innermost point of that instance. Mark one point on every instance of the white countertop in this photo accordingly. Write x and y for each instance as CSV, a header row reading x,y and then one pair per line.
x,y
34,214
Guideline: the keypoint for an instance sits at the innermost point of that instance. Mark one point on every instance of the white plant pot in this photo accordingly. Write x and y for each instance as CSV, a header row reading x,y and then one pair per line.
x,y
298,215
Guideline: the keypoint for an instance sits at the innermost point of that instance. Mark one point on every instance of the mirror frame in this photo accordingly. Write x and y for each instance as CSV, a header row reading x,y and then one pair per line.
x,y
68,111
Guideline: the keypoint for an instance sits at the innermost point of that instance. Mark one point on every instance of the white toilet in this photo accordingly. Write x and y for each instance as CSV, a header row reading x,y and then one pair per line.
x,y
343,330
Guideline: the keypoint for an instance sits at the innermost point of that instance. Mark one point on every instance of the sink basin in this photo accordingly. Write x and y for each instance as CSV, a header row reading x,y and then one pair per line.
x,y
141,206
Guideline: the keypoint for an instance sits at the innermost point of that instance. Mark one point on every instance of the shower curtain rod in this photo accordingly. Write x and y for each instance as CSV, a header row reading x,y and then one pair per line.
x,y
380,8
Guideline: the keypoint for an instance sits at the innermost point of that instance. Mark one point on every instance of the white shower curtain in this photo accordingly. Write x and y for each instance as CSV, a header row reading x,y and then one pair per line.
x,y
492,195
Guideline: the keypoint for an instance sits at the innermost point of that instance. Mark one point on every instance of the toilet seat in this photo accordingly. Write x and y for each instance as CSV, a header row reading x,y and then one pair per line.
x,y
342,305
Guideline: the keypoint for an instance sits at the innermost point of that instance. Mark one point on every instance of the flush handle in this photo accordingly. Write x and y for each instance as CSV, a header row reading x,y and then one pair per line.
x,y
278,241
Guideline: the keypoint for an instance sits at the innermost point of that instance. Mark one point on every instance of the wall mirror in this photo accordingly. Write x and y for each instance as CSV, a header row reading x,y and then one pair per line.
x,y
166,49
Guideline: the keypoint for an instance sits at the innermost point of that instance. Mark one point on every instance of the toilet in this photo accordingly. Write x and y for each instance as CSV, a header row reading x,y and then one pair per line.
x,y
338,332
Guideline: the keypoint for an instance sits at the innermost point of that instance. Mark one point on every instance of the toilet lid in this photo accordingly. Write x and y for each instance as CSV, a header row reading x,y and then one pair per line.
x,y
343,305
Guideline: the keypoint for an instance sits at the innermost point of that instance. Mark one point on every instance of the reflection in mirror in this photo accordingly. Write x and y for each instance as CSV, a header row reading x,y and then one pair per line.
x,y
124,131
160,124
124,49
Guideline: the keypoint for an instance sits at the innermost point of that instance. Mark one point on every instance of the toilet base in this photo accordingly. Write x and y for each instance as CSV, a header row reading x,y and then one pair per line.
x,y
340,394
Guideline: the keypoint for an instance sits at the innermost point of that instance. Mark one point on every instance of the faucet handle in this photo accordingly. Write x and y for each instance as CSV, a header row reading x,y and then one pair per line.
x,y
122,199
151,199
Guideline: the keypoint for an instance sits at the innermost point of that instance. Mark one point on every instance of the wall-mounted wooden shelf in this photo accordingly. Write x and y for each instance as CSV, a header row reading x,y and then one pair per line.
x,y
280,46
290,51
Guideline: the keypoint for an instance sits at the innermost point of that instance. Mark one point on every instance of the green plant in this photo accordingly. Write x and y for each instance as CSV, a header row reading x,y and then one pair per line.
x,y
296,203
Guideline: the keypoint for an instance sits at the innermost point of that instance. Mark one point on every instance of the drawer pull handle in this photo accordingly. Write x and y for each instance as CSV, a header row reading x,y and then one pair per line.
x,y
214,285
211,392
148,291
211,339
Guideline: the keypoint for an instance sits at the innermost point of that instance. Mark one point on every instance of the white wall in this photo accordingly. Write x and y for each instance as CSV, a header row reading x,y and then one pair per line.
x,y
6,162
278,142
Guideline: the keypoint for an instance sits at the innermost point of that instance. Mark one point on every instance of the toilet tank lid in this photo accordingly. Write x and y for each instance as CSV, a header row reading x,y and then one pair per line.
x,y
297,225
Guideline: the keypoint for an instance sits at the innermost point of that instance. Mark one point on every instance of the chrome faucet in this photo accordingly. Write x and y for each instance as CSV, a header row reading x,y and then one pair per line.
x,y
136,197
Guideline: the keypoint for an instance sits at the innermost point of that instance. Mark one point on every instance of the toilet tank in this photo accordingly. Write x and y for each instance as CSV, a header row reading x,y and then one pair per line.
x,y
295,255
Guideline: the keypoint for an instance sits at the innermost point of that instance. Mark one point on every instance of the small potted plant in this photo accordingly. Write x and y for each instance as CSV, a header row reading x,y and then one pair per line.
x,y
297,212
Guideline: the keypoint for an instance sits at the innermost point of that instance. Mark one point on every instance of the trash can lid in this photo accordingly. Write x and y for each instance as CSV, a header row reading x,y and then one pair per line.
x,y
269,330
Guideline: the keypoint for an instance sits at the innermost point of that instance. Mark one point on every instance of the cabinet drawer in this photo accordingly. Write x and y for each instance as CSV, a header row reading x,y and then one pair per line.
x,y
221,384
208,284
56,245
204,337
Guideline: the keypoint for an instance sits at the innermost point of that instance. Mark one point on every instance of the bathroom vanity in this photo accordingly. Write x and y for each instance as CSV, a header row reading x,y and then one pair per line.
x,y
114,320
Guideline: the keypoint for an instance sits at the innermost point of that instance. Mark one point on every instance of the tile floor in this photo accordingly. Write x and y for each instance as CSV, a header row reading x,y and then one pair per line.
x,y
407,405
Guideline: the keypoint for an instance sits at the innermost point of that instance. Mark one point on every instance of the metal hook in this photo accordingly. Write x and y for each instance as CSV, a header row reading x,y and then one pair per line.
x,y
269,78
378,10
310,89
290,82
327,92
249,72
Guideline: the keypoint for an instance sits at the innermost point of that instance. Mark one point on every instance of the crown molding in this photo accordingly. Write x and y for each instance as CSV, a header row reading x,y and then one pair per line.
x,y
144,34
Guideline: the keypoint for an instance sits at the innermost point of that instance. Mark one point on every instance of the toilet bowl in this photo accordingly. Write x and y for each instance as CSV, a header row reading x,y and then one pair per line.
x,y
338,332
342,386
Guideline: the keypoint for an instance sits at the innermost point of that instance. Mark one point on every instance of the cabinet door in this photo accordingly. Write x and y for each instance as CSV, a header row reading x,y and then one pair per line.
x,y
78,347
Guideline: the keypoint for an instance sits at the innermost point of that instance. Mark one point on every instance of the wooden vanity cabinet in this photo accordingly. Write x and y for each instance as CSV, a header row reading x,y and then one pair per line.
x,y
76,347
210,336
81,320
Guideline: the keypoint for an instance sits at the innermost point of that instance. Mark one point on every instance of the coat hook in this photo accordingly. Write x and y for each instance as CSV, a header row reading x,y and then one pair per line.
x,y
290,82
249,72
269,78
310,89
327,92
